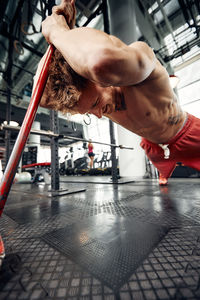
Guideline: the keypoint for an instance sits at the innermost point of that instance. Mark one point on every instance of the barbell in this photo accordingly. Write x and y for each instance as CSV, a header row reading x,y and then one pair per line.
x,y
61,136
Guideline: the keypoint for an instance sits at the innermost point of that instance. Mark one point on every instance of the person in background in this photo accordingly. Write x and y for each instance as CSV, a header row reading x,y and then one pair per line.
x,y
91,154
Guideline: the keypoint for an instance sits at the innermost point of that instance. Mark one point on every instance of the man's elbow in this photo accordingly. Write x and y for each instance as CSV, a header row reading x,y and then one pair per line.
x,y
97,71
103,67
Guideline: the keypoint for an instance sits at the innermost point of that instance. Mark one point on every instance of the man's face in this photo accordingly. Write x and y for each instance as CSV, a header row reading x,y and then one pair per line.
x,y
96,100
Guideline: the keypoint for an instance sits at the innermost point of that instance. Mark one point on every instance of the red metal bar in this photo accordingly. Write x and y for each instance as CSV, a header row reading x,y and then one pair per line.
x,y
44,164
13,162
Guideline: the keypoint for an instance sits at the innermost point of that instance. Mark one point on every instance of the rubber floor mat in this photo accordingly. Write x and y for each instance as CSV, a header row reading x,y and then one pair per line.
x,y
34,213
109,247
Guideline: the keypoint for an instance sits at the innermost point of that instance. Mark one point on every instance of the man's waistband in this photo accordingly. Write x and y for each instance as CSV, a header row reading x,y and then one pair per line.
x,y
183,128
187,122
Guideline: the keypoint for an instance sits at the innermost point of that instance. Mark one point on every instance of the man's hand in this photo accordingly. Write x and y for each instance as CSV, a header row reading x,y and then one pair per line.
x,y
62,18
68,10
51,25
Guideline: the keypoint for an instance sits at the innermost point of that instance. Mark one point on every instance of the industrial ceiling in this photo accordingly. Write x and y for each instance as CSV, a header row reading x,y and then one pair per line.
x,y
171,27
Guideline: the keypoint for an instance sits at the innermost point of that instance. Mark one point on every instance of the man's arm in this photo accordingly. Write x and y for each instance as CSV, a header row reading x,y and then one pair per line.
x,y
97,56
68,10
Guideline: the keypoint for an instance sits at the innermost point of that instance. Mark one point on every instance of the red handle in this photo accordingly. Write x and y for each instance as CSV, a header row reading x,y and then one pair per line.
x,y
14,159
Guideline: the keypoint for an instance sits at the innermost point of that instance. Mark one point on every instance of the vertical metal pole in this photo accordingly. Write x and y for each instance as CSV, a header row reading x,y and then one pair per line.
x,y
8,106
55,182
111,125
55,179
113,153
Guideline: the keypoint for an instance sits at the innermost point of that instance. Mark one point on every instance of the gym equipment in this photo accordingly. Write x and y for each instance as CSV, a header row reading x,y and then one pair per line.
x,y
24,177
73,167
38,169
67,166
29,156
80,163
102,164
60,136
182,171
13,162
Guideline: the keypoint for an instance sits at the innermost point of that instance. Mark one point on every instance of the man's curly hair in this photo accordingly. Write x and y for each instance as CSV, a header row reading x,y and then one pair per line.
x,y
64,86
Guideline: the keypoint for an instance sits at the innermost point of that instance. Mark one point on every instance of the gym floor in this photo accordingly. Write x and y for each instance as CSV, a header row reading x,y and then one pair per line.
x,y
127,241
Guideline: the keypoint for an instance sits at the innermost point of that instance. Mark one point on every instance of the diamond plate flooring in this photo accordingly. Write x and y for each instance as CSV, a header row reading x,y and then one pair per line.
x,y
130,241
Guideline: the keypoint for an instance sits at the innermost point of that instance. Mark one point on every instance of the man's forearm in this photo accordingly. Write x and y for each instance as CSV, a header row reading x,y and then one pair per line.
x,y
97,56
83,48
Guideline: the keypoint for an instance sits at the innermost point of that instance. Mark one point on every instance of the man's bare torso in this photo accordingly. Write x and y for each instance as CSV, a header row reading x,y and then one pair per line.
x,y
151,109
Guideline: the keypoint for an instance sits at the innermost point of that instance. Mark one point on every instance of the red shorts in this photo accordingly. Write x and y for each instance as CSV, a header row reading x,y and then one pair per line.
x,y
183,147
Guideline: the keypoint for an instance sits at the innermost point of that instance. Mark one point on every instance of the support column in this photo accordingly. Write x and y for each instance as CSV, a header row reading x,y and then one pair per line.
x,y
34,143
111,125
55,177
123,25
54,126
34,140
122,19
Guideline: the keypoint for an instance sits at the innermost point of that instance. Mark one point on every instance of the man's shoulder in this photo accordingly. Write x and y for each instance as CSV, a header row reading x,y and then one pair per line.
x,y
159,72
140,45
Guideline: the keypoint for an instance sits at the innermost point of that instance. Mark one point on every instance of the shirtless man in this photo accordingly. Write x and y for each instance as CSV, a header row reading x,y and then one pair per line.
x,y
101,75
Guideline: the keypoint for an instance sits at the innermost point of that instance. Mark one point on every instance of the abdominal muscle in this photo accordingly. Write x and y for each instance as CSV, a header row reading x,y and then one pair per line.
x,y
157,120
162,132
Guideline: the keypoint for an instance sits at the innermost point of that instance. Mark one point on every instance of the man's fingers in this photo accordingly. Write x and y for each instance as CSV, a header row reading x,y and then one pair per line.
x,y
59,9
68,1
68,10
55,9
